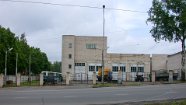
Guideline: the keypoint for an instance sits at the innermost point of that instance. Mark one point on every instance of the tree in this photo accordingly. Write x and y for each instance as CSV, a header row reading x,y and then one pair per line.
x,y
9,40
56,66
169,23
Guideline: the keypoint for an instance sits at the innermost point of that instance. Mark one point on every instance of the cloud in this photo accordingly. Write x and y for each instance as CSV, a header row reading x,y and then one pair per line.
x,y
44,25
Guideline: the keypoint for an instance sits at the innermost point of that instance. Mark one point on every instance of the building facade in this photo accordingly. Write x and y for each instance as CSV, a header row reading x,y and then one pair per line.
x,y
174,63
83,54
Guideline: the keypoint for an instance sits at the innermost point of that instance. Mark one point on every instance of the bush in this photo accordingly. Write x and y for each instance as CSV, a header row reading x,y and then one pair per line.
x,y
9,82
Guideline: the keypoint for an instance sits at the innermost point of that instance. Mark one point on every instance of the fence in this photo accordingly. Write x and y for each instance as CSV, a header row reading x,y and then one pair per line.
x,y
32,81
10,80
80,78
132,76
54,80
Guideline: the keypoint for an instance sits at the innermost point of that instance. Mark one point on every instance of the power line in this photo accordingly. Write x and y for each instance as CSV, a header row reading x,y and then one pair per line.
x,y
70,5
118,9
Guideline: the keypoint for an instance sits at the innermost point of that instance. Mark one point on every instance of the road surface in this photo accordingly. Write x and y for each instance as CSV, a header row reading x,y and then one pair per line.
x,y
109,95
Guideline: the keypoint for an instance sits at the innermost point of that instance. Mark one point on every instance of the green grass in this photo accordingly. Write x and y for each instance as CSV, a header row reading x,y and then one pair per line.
x,y
103,85
174,102
133,83
10,85
32,83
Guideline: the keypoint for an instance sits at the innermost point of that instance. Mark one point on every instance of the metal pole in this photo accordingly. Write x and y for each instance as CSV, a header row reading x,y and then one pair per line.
x,y
5,63
5,67
29,67
16,62
103,44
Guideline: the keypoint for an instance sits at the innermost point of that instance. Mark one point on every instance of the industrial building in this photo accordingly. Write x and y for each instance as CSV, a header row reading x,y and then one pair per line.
x,y
83,55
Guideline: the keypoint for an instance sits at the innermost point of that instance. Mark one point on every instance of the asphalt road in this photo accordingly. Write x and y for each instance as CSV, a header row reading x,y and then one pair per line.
x,y
60,96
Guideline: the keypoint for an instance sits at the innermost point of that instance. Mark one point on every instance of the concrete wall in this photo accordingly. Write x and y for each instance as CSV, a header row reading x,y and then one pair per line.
x,y
22,79
174,63
67,39
128,60
80,54
159,62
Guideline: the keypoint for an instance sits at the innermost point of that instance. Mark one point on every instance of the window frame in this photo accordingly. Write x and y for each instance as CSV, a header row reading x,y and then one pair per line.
x,y
91,68
70,56
132,69
124,68
70,45
114,68
69,66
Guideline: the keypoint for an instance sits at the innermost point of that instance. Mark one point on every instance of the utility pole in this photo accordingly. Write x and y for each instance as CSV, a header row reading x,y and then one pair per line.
x,y
6,63
16,62
30,68
103,44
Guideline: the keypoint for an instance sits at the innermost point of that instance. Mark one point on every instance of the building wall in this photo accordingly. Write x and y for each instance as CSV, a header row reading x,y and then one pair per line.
x,y
159,62
79,51
93,56
129,60
67,39
174,63
86,55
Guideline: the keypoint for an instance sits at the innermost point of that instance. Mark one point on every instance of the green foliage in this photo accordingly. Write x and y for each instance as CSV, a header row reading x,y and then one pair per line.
x,y
39,60
169,20
56,66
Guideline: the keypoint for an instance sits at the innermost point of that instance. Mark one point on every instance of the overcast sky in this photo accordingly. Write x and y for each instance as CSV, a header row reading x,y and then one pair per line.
x,y
44,25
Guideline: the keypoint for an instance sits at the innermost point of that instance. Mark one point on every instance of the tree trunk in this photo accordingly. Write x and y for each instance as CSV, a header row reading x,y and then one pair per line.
x,y
183,61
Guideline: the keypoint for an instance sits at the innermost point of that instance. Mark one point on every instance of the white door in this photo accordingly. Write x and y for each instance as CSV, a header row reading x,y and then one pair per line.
x,y
79,73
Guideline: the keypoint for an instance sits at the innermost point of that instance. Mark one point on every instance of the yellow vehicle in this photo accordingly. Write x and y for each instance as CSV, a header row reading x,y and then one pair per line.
x,y
107,74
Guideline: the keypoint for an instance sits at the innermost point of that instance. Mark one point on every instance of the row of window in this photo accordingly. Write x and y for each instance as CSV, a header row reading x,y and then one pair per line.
x,y
91,46
76,64
92,68
115,68
88,46
134,69
79,64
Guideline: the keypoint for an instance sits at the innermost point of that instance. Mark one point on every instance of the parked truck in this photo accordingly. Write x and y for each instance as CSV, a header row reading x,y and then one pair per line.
x,y
163,75
107,74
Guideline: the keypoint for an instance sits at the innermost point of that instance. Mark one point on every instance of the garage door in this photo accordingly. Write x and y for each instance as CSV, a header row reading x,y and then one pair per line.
x,y
79,73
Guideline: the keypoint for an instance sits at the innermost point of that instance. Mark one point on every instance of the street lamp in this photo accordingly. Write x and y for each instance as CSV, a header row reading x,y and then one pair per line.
x,y
103,44
16,62
6,60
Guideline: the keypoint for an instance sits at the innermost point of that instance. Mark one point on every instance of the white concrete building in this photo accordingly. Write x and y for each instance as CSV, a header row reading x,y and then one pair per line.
x,y
174,63
83,54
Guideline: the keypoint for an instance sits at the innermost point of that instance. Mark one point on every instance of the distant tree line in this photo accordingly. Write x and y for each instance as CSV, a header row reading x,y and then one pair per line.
x,y
38,60
55,66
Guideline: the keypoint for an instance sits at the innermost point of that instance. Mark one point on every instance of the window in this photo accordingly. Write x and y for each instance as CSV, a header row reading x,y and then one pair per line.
x,y
69,66
122,68
91,68
140,69
70,56
79,64
91,46
133,69
115,68
70,45
98,67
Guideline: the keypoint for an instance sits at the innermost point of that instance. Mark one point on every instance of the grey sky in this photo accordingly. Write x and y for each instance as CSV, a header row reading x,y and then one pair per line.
x,y
44,25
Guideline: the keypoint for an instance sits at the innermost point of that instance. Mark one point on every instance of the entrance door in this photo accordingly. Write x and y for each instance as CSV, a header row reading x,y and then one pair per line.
x,y
79,73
